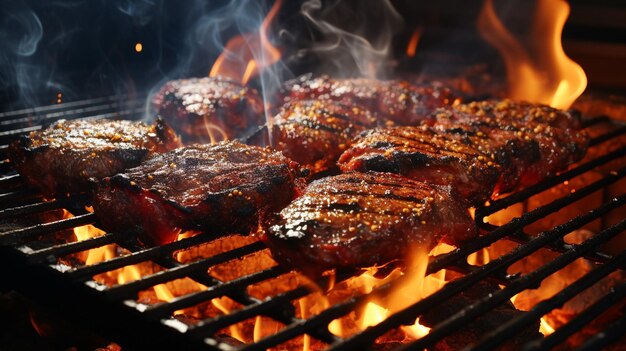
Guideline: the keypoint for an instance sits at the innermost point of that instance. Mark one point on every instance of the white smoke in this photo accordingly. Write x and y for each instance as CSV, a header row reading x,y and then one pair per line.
x,y
356,36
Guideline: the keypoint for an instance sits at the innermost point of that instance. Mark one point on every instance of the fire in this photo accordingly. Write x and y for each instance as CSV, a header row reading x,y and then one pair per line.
x,y
545,74
411,47
246,55
415,286
85,232
107,252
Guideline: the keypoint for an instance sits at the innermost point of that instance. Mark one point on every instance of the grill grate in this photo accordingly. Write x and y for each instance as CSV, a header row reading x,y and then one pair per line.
x,y
35,270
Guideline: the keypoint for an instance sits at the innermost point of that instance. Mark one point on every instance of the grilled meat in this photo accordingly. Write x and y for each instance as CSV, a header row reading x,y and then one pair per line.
x,y
363,219
476,154
315,132
553,134
222,188
509,111
209,109
63,157
397,100
425,154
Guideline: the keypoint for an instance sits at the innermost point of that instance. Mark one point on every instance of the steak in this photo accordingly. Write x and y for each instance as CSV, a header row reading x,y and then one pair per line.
x,y
209,109
478,155
314,133
63,157
397,100
554,133
357,220
223,188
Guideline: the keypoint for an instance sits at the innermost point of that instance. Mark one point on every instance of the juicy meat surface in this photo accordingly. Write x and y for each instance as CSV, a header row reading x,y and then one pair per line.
x,y
357,220
553,134
63,157
397,100
220,189
478,155
518,111
209,109
314,133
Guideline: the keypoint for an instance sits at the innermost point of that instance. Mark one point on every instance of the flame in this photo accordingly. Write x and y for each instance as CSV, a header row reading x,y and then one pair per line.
x,y
411,47
85,232
246,55
545,328
544,75
415,286
223,304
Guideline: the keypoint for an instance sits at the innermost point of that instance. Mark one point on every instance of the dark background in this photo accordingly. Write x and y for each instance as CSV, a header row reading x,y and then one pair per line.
x,y
85,49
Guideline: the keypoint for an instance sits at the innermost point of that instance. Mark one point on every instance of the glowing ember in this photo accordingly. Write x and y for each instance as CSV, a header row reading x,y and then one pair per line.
x,y
545,328
411,47
415,286
545,74
246,55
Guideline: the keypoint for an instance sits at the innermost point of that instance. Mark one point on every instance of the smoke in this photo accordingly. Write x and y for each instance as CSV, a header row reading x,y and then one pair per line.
x,y
210,28
356,37
20,34
86,49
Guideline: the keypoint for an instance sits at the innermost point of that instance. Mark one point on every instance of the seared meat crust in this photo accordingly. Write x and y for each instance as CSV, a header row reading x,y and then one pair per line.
x,y
397,100
63,157
478,154
553,134
425,154
362,219
222,188
315,132
209,109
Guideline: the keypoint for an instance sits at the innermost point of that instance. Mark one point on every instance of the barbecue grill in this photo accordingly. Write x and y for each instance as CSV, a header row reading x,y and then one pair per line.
x,y
31,261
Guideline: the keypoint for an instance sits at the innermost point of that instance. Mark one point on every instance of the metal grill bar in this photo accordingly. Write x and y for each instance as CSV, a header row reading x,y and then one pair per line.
x,y
577,323
497,336
44,119
20,194
530,280
212,325
30,208
214,291
515,225
522,195
86,272
408,315
133,287
52,253
599,341
35,110
20,235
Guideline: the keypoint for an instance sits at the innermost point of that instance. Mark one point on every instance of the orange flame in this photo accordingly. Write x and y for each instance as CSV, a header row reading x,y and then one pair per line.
x,y
544,75
411,47
238,62
415,286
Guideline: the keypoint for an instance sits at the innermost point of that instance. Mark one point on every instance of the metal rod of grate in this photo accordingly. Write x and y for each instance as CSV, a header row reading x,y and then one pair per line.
x,y
577,323
279,307
500,264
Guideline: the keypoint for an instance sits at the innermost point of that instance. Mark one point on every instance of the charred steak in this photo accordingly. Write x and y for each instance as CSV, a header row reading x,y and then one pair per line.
x,y
314,133
209,109
362,219
397,100
477,155
554,134
222,188
63,157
